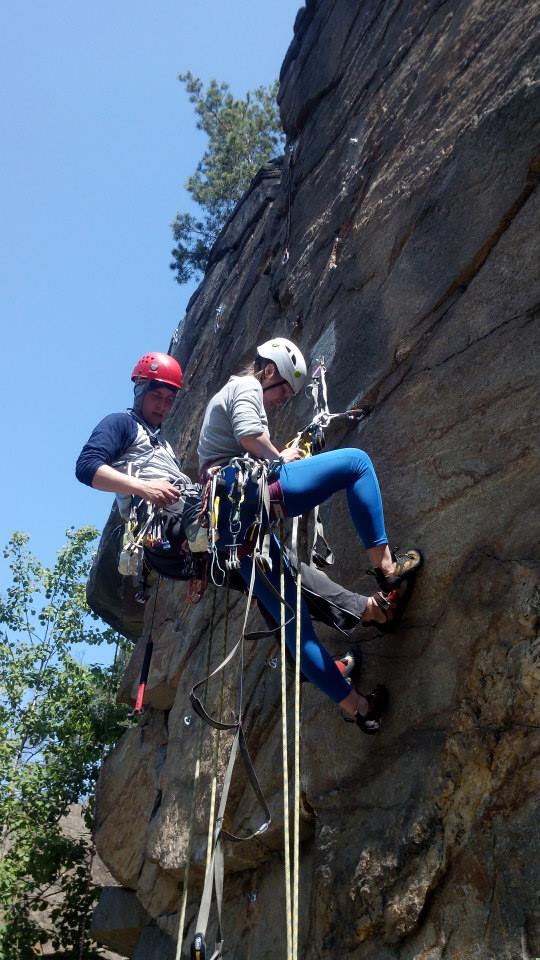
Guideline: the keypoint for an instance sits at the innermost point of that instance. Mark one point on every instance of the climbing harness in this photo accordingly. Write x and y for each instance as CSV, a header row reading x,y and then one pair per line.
x,y
224,510
168,540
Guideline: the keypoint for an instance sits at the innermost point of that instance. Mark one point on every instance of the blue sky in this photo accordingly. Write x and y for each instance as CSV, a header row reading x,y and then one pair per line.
x,y
98,140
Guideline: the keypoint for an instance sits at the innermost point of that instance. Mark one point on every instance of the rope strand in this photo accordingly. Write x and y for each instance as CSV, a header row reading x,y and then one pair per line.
x,y
284,737
296,822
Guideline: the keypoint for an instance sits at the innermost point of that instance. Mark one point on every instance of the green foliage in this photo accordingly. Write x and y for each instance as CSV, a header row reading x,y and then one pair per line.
x,y
57,719
243,135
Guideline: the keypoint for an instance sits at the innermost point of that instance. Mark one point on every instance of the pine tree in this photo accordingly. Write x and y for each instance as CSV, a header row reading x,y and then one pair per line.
x,y
243,135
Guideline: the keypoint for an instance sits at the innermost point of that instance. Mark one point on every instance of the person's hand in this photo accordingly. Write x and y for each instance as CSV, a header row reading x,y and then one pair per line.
x,y
289,454
158,492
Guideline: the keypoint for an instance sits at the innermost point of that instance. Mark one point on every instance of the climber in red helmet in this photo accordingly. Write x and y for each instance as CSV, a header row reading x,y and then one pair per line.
x,y
125,453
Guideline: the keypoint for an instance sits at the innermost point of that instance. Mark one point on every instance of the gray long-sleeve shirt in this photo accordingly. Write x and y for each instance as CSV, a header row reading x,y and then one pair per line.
x,y
235,411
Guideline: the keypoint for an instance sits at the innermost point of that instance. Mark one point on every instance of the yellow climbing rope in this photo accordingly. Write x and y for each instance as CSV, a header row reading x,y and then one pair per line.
x,y
284,736
292,877
296,807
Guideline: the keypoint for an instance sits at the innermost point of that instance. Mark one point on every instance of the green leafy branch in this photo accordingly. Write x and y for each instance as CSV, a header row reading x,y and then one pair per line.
x,y
243,135
58,718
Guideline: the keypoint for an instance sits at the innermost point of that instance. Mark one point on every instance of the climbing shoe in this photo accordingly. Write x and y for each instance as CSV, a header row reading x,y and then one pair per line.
x,y
392,605
350,665
378,701
407,566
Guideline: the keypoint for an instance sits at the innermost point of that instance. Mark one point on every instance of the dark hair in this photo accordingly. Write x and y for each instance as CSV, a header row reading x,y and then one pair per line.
x,y
159,384
254,368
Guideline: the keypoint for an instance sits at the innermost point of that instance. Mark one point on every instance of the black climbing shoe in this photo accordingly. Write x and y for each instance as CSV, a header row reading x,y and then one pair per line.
x,y
378,701
407,566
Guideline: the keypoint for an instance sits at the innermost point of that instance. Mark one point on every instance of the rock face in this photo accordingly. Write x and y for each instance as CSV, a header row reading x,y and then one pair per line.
x,y
119,920
411,178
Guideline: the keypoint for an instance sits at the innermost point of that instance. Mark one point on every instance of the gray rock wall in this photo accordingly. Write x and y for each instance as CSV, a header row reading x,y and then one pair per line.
x,y
412,171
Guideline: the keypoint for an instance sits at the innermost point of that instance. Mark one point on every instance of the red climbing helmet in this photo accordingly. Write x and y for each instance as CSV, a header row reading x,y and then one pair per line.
x,y
158,366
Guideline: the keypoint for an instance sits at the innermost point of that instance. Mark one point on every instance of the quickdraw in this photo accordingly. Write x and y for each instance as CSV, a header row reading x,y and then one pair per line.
x,y
138,535
209,518
291,151
236,497
246,470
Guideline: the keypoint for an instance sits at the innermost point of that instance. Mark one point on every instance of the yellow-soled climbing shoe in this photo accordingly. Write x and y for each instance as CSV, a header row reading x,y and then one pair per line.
x,y
407,566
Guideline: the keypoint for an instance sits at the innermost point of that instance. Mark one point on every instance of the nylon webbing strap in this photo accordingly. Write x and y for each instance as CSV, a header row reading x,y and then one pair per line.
x,y
250,770
213,882
216,739
327,558
271,631
194,797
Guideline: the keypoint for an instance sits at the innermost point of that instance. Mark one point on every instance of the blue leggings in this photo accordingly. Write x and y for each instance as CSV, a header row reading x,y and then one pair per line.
x,y
315,661
305,484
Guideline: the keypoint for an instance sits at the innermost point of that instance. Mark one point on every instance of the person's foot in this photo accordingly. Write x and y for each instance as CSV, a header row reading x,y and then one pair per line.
x,y
349,664
389,607
378,702
373,613
404,566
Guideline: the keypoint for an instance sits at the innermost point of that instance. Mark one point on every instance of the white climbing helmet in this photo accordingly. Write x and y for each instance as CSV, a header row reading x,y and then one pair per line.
x,y
288,360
